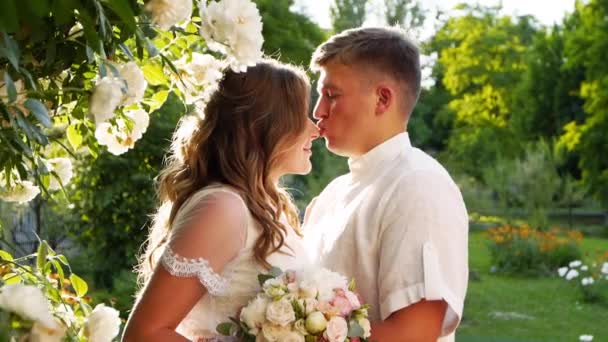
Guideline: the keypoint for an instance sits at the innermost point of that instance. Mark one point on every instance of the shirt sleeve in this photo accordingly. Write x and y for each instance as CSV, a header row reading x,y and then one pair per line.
x,y
207,233
424,247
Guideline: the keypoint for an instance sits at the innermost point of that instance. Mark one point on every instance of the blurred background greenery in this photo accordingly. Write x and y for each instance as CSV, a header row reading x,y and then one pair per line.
x,y
516,110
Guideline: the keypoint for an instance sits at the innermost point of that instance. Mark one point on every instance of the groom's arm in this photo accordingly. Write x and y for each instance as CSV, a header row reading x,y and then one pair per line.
x,y
419,322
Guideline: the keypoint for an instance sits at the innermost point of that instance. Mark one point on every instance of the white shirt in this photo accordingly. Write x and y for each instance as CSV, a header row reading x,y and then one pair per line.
x,y
398,225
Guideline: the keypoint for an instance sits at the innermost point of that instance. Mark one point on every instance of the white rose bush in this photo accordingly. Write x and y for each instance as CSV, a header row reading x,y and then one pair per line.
x,y
81,77
46,302
313,304
84,76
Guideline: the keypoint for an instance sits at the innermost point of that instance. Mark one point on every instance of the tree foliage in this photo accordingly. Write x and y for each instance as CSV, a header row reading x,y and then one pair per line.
x,y
587,48
346,14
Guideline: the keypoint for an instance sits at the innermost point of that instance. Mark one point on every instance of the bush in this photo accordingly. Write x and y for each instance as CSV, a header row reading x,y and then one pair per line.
x,y
42,300
527,251
591,281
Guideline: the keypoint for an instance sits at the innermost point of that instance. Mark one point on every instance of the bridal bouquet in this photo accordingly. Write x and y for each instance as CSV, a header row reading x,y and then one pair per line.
x,y
302,306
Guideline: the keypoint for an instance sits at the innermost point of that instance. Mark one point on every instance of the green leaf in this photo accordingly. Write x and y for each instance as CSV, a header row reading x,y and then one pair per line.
x,y
157,100
263,277
352,285
225,328
11,90
298,309
59,270
39,111
74,136
11,278
123,10
63,259
4,255
8,16
355,330
90,32
10,50
154,74
63,10
79,285
39,8
275,271
41,255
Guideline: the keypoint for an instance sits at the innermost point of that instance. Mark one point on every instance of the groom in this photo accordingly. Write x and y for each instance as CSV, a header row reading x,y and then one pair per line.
x,y
396,222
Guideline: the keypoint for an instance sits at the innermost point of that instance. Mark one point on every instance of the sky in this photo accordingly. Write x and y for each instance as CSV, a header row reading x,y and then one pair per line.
x,y
547,12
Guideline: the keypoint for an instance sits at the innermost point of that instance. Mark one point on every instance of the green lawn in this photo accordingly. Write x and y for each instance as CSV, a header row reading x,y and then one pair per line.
x,y
508,309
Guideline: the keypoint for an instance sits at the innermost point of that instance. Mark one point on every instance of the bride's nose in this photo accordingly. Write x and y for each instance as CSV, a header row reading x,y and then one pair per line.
x,y
313,130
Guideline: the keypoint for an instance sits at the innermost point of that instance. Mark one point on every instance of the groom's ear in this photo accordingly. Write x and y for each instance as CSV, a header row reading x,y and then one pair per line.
x,y
384,98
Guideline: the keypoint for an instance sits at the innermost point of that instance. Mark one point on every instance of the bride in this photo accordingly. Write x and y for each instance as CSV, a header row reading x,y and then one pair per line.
x,y
223,218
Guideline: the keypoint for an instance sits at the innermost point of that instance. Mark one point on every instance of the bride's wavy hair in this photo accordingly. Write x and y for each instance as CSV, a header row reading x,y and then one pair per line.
x,y
248,122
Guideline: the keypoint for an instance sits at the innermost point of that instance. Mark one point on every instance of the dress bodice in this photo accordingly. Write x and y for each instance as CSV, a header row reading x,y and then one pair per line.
x,y
231,289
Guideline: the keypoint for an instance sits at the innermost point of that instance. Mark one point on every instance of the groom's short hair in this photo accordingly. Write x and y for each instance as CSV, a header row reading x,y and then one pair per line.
x,y
385,49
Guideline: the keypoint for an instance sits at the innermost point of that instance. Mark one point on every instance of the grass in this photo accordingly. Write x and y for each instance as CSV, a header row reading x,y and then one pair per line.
x,y
537,309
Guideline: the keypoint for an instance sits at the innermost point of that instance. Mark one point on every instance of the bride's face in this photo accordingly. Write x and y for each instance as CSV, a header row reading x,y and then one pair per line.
x,y
296,158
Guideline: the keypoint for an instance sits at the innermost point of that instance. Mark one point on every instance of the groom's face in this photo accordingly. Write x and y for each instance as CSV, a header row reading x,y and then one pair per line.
x,y
345,109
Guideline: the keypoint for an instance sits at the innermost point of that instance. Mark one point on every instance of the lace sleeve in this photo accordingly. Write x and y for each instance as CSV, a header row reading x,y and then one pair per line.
x,y
179,266
208,232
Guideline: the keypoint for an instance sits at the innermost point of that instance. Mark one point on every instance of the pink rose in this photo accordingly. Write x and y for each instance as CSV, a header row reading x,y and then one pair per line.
x,y
353,299
343,305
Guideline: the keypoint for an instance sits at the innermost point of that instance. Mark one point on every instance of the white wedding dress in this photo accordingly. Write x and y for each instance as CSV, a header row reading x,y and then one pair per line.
x,y
236,284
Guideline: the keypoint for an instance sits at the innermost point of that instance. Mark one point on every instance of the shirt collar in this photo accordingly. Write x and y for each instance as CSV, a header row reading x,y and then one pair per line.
x,y
385,152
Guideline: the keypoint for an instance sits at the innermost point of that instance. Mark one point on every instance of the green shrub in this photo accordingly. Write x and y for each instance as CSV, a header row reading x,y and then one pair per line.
x,y
530,252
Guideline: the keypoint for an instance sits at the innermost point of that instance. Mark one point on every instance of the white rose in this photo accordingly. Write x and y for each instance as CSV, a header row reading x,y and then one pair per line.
x,y
327,282
367,328
103,324
136,83
63,168
571,274
41,333
254,314
28,302
587,281
119,139
76,31
562,271
233,27
273,332
337,329
575,263
585,338
316,322
300,327
106,97
20,192
310,305
308,289
275,287
292,336
280,312
166,13
204,69
605,268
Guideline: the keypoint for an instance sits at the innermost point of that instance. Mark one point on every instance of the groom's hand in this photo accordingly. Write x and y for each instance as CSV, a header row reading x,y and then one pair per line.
x,y
420,322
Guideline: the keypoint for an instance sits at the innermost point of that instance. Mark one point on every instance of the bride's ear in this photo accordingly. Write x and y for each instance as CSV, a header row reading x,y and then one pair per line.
x,y
384,99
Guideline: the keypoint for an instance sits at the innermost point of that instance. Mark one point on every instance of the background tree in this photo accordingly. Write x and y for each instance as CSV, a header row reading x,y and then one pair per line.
x,y
586,46
481,58
347,14
408,14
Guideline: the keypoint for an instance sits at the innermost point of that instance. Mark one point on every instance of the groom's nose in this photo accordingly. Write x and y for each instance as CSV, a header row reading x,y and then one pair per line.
x,y
320,110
